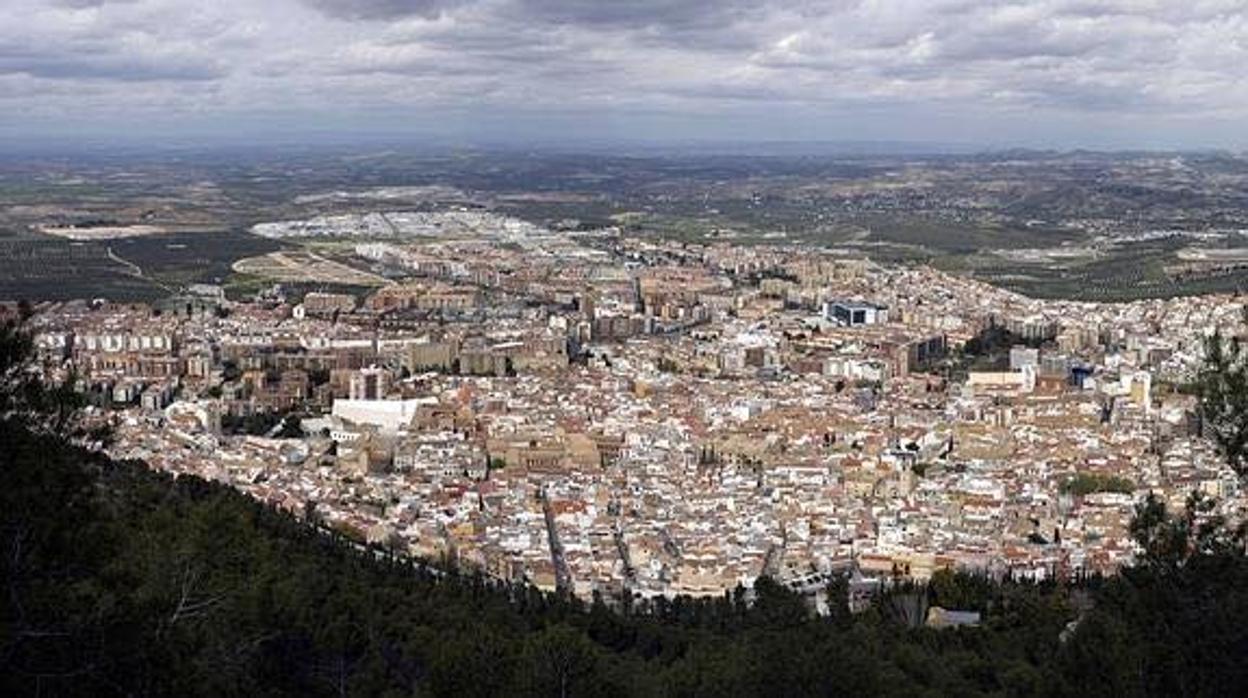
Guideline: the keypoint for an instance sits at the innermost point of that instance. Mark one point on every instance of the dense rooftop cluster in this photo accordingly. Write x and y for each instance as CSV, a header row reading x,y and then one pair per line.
x,y
600,413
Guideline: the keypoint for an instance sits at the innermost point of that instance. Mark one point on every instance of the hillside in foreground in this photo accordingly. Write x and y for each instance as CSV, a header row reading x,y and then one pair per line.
x,y
123,581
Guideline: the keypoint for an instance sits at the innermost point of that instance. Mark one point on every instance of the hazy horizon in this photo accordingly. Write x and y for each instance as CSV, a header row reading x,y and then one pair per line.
x,y
120,147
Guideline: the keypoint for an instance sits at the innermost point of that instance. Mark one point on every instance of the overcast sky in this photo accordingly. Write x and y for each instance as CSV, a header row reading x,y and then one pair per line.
x,y
1107,73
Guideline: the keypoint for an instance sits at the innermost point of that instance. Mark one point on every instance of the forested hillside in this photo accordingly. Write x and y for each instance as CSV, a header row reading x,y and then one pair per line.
x,y
123,581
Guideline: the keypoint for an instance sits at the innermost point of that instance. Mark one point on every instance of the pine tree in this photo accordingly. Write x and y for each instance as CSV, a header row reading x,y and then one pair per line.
x,y
1223,388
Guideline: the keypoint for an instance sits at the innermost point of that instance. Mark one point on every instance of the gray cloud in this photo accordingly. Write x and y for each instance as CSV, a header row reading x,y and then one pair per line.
x,y
110,69
633,14
82,4
816,62
381,9
99,63
677,14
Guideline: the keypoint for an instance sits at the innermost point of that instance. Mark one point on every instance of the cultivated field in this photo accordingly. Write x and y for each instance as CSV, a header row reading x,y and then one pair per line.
x,y
303,266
